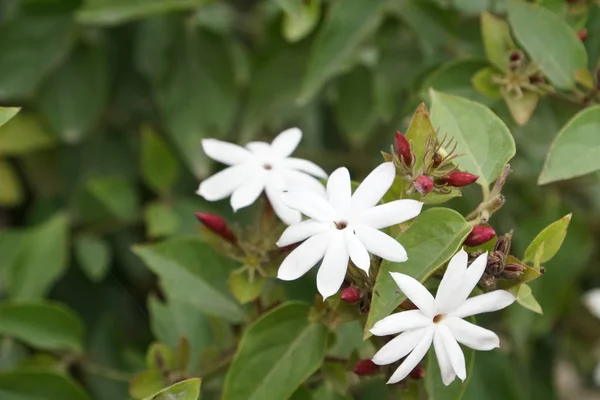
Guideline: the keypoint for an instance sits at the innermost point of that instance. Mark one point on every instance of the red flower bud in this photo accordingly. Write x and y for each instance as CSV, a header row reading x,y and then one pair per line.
x,y
403,148
582,34
417,373
365,367
350,294
217,225
479,235
424,185
459,179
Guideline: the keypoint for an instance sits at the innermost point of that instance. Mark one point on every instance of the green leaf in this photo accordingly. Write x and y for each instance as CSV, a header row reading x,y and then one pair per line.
x,y
184,390
11,190
482,139
158,164
38,384
111,12
93,256
44,325
74,96
551,238
30,48
276,355
6,113
192,273
592,42
419,133
160,219
573,152
483,82
525,298
23,134
348,24
41,260
550,42
300,19
521,106
497,40
116,195
433,238
244,289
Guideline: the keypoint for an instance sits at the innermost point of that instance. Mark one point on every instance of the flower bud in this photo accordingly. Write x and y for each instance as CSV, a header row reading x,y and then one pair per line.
x,y
515,60
417,373
437,159
536,79
503,243
479,235
365,367
512,271
495,263
424,185
582,34
459,179
350,294
403,148
217,225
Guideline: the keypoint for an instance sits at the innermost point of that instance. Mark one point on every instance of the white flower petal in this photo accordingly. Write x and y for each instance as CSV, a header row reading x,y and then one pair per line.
x,y
455,354
261,150
224,152
286,142
339,191
414,357
448,374
388,214
470,280
488,302
304,257
415,292
333,268
274,190
471,335
446,298
299,180
248,192
301,231
358,253
398,347
310,204
592,301
373,187
400,322
306,166
380,244
223,183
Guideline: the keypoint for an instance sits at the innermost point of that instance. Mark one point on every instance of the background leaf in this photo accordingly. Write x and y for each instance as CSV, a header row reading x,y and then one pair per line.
x,y
551,238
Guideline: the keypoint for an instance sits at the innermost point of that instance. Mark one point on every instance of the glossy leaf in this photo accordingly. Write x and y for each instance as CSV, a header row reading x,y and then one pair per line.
x,y
497,40
525,298
482,139
6,113
551,238
276,354
433,238
184,390
23,134
93,256
110,12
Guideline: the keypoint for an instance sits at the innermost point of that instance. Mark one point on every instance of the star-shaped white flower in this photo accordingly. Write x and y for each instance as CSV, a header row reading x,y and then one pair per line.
x,y
592,301
344,226
259,167
440,321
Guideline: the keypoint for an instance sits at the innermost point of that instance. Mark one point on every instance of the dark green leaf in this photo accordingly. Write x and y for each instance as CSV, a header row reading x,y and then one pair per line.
x,y
158,164
93,256
38,384
160,219
116,195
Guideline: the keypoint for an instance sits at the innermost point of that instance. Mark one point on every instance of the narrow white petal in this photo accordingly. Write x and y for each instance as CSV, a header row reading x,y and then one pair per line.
x,y
455,354
223,183
299,180
392,213
380,244
358,253
592,301
398,347
413,358
301,231
310,204
415,292
306,166
224,152
247,193
333,268
446,298
286,142
400,322
303,257
373,187
339,191
471,335
274,190
488,302
261,150
448,374
470,280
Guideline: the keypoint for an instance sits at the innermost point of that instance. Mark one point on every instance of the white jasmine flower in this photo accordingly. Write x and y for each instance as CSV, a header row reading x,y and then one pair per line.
x,y
260,167
344,226
440,321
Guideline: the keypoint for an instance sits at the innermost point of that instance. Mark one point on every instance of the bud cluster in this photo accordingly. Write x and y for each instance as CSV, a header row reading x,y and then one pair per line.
x,y
522,76
499,265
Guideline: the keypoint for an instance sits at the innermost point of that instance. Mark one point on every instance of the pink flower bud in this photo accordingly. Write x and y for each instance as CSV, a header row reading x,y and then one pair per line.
x,y
582,34
479,235
217,225
424,185
417,373
350,294
459,179
365,367
403,148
